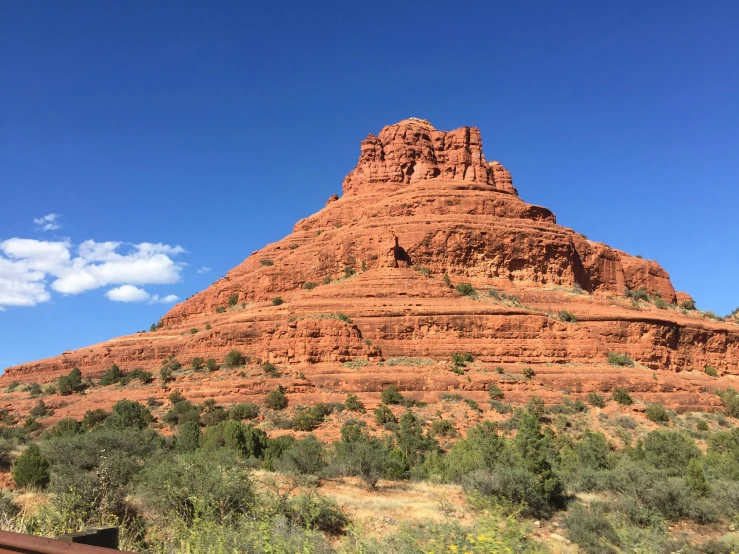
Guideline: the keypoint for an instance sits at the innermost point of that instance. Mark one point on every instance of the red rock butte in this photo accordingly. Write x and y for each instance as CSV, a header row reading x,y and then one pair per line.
x,y
370,279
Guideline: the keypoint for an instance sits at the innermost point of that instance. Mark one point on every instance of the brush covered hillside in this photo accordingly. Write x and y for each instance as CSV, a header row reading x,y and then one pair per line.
x,y
429,252
427,365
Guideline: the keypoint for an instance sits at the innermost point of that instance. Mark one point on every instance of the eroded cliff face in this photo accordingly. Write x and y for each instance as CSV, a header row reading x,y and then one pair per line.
x,y
420,205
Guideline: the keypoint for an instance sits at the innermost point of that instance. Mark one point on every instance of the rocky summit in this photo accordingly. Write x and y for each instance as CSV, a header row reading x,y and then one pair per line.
x,y
429,252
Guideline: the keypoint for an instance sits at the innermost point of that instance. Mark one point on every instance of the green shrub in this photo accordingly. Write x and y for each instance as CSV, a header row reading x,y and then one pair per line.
x,y
461,358
270,369
425,271
622,396
384,415
93,418
349,271
145,377
466,289
657,413
730,398
70,383
669,451
701,425
343,318
207,486
638,294
193,331
213,416
233,299
566,316
243,438
240,412
495,392
528,373
212,365
327,280
472,404
590,529
276,301
112,376
660,303
165,374
688,304
266,262
197,364
66,427
188,437
620,360
305,457
276,399
129,414
711,371
39,410
34,389
221,309
596,400
304,421
234,359
310,285
391,395
353,404
443,428
32,469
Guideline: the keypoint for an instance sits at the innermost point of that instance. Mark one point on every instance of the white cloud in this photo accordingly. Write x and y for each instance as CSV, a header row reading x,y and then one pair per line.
x,y
127,293
26,265
49,222
204,269
169,299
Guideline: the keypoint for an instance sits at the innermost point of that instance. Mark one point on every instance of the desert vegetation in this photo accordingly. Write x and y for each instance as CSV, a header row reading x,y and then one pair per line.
x,y
189,477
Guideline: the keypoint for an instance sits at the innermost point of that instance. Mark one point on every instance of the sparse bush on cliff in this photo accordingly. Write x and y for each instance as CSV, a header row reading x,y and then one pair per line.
x,y
711,371
277,300
239,412
266,262
234,359
197,364
310,285
528,373
70,383
657,413
384,415
212,365
566,316
447,280
730,398
622,396
637,294
620,360
466,289
688,304
596,400
93,418
276,399
327,280
39,410
353,404
349,272
391,395
661,304
128,414
112,376
495,392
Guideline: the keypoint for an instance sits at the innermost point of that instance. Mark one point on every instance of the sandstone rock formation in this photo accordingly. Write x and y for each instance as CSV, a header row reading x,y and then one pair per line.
x,y
371,277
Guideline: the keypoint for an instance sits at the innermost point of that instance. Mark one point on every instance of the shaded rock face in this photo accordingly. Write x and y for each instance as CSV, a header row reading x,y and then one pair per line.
x,y
371,277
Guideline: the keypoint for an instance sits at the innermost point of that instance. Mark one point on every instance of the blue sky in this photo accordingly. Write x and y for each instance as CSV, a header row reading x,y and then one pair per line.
x,y
173,137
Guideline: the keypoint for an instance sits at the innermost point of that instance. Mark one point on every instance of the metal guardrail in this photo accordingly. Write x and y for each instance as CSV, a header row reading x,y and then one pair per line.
x,y
17,543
